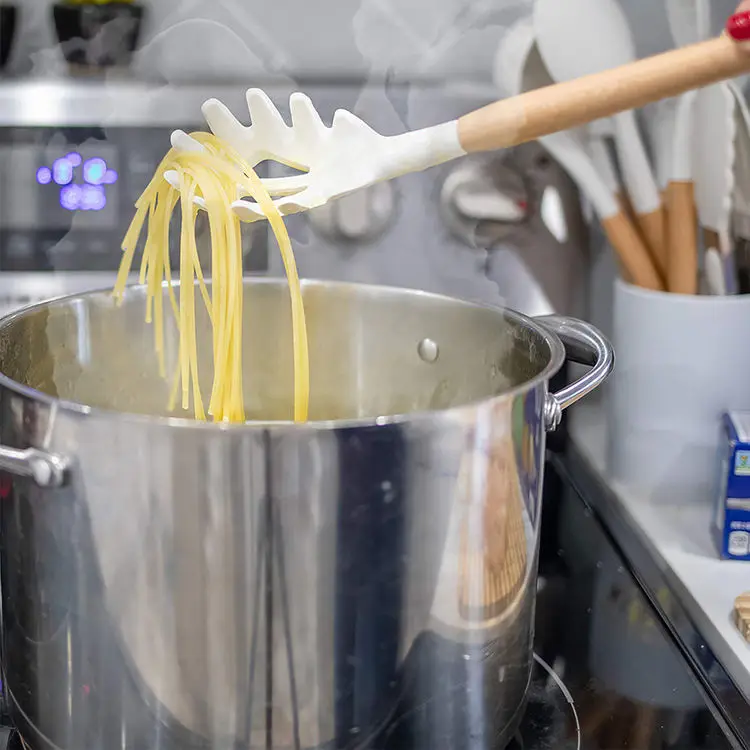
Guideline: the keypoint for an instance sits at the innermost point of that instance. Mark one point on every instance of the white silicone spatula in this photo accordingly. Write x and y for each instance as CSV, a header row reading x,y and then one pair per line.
x,y
660,119
599,135
713,162
581,37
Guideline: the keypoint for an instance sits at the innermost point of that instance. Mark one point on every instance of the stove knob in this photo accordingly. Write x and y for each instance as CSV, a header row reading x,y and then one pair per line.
x,y
483,201
486,203
362,216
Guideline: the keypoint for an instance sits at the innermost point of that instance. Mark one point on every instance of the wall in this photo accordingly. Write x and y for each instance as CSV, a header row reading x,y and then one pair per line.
x,y
246,39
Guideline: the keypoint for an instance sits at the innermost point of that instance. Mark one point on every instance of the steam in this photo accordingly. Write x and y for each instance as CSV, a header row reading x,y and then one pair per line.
x,y
386,51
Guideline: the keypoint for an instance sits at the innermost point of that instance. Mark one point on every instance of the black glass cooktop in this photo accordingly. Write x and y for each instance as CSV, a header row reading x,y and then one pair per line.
x,y
615,634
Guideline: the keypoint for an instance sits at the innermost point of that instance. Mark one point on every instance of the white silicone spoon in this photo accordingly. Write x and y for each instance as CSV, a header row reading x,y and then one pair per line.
x,y
519,67
714,270
599,135
580,37
660,121
713,162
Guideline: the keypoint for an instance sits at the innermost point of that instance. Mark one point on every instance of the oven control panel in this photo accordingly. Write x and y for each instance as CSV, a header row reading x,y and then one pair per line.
x,y
67,197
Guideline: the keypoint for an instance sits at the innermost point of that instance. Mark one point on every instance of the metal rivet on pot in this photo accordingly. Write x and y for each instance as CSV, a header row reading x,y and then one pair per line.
x,y
428,350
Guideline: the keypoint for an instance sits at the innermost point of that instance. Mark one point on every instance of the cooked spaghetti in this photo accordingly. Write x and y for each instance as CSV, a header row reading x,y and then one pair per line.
x,y
213,174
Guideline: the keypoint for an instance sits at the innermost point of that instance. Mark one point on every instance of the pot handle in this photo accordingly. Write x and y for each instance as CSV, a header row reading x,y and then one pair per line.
x,y
46,469
585,345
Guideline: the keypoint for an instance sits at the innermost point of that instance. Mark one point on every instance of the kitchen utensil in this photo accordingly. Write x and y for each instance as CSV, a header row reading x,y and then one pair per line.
x,y
741,197
742,255
520,68
600,136
152,583
689,22
599,32
350,155
741,614
714,269
670,128
682,224
601,148
660,121
598,150
714,132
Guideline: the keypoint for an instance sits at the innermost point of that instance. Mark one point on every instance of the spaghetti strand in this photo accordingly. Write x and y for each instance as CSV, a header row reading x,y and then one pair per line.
x,y
213,174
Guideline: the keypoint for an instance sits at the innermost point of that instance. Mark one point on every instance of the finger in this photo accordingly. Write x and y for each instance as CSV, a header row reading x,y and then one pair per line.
x,y
738,25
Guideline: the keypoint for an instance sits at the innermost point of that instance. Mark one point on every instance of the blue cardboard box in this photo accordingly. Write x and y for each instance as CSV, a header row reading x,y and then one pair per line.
x,y
733,496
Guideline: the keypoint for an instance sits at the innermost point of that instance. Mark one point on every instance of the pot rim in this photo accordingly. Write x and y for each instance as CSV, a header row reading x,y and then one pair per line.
x,y
556,358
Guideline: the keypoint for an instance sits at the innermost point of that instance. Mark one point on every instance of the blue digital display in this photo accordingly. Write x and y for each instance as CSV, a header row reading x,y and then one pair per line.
x,y
86,196
62,171
44,175
93,171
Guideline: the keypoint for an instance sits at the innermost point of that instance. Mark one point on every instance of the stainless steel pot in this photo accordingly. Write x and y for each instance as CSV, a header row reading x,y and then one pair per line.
x,y
370,574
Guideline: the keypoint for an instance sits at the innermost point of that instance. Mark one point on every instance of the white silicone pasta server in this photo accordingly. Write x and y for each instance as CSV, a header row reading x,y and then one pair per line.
x,y
350,155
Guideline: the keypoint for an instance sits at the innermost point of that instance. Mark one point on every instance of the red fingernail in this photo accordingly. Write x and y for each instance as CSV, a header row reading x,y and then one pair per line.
x,y
738,26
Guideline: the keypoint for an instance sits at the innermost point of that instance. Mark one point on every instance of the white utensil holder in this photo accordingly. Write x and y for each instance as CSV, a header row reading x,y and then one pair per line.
x,y
681,362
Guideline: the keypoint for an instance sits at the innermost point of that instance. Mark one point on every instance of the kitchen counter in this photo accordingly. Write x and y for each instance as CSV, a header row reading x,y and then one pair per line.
x,y
678,539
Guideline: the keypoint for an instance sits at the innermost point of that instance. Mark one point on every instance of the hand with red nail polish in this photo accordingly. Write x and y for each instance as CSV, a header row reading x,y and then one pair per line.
x,y
738,26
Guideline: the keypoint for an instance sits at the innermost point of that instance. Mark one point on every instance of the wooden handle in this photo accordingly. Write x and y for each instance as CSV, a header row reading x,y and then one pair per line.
x,y
623,201
742,615
711,238
566,105
632,253
653,229
682,231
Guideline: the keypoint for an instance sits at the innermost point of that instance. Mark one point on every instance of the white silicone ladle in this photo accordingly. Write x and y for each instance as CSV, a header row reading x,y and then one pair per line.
x,y
581,37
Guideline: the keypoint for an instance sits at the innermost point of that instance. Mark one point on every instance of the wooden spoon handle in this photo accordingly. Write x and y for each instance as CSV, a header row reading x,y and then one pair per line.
x,y
653,228
682,276
632,253
566,105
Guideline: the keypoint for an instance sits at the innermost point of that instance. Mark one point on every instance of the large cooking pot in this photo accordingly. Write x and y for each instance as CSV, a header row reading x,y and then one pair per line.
x,y
363,580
